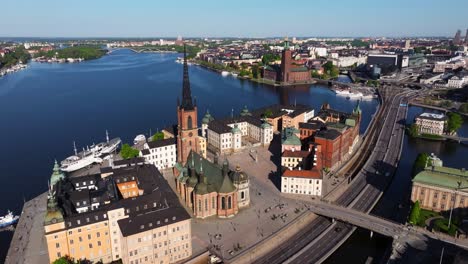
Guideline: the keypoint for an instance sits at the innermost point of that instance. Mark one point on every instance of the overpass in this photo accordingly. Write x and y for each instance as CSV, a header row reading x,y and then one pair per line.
x,y
379,225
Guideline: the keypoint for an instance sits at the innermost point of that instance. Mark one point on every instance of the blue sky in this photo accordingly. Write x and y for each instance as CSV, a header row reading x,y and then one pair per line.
x,y
241,18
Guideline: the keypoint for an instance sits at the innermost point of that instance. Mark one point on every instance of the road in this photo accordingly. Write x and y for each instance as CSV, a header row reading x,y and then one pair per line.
x,y
363,192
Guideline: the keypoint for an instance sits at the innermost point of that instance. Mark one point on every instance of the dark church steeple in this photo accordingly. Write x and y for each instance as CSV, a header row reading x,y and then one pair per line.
x,y
187,102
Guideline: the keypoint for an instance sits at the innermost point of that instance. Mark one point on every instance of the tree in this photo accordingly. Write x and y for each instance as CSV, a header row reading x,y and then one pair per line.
x,y
158,136
413,130
331,70
268,113
454,122
464,108
269,58
415,213
128,152
255,71
64,260
420,163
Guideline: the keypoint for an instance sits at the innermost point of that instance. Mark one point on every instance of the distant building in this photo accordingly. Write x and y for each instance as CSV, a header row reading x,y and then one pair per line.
x,y
457,39
128,213
449,65
439,188
179,41
457,81
161,153
429,123
210,190
288,71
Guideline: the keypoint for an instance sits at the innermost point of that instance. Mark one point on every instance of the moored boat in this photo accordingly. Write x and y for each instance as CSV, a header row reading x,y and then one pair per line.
x,y
8,220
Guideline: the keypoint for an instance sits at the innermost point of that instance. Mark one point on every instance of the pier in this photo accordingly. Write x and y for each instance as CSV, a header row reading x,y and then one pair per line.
x,y
28,244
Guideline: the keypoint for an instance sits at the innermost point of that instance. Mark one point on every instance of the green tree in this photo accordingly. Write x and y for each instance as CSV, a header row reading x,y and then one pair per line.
x,y
420,163
415,213
158,136
255,71
128,152
463,108
64,260
454,122
269,58
331,70
268,113
413,130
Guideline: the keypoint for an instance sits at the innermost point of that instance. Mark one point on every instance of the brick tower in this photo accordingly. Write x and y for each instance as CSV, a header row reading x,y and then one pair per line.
x,y
187,130
285,62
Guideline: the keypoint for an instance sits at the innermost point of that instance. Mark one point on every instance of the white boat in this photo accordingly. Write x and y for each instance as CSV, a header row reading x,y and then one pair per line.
x,y
90,155
8,219
224,73
76,162
348,93
234,75
111,145
139,139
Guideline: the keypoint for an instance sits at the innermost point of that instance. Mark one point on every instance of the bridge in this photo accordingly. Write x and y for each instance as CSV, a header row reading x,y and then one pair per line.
x,y
141,50
378,224
456,138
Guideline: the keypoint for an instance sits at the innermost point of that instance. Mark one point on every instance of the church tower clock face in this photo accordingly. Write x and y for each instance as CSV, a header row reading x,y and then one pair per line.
x,y
190,134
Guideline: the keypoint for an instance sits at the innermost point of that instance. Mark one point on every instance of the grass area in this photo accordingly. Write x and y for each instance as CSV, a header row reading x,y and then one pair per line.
x,y
442,226
424,215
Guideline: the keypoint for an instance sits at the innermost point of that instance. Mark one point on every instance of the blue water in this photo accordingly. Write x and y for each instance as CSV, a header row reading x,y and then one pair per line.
x,y
46,107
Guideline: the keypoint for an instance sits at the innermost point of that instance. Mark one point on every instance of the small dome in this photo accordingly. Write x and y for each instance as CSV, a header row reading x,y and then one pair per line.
x,y
236,129
207,118
245,112
239,176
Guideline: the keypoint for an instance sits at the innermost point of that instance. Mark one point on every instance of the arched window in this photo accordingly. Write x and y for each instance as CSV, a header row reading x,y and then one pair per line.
x,y
189,122
199,206
242,195
223,203
206,204
229,202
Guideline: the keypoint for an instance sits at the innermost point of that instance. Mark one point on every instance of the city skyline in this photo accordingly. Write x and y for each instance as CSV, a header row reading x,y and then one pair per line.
x,y
258,19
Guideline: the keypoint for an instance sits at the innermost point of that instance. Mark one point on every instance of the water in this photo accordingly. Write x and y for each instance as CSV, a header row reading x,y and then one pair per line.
x,y
395,201
46,107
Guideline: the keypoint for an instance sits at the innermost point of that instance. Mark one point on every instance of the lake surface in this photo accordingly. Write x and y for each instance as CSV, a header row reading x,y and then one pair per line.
x,y
46,107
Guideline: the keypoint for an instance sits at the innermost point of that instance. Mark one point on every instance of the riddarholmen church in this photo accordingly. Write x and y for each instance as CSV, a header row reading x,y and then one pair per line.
x,y
206,187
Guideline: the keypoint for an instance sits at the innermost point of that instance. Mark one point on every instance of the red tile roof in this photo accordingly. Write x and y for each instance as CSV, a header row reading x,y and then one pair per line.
x,y
313,174
295,154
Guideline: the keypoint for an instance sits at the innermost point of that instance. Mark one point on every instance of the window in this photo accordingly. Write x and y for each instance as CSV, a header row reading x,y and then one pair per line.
x,y
213,203
71,241
206,204
189,122
57,245
229,202
242,195
223,203
99,243
90,245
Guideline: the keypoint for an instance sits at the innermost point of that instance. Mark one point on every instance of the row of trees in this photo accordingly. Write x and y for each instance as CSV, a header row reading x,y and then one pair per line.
x,y
85,52
127,152
330,71
20,54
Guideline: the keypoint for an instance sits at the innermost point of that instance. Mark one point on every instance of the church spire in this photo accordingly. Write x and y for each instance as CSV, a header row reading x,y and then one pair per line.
x,y
186,93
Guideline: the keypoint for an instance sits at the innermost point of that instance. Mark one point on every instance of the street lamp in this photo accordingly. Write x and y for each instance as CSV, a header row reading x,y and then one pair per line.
x,y
453,204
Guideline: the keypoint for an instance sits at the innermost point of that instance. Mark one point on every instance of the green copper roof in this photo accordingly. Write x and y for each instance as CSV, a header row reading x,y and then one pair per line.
x,y
350,122
245,112
236,129
443,177
211,175
57,175
53,215
289,137
207,118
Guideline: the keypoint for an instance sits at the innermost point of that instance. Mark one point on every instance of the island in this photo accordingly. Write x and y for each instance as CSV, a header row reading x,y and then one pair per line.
x,y
70,54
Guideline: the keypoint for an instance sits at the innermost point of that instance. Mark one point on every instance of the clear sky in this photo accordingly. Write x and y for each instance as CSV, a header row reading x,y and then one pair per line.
x,y
240,18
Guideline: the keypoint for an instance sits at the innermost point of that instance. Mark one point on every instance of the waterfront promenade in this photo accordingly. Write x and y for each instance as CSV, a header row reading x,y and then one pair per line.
x,y
28,244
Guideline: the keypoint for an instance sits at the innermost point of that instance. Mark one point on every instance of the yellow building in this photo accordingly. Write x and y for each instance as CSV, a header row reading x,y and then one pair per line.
x,y
130,214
